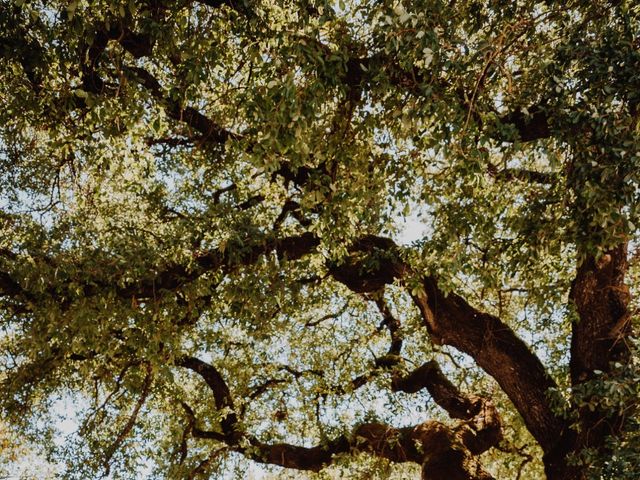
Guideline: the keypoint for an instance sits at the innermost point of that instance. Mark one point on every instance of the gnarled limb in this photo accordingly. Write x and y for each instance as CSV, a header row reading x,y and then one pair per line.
x,y
497,350
451,320
444,452
435,446
443,392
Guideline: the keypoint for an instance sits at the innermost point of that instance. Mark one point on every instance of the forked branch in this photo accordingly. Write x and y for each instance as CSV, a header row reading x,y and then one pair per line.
x,y
445,452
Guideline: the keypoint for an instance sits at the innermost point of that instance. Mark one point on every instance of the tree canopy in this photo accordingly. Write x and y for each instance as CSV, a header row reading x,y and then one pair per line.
x,y
204,251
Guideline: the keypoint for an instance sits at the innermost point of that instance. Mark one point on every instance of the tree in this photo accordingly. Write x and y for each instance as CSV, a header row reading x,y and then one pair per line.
x,y
202,205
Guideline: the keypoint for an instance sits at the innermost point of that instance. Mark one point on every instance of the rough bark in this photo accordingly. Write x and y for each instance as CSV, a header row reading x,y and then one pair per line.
x,y
601,299
599,338
496,349
445,452
451,320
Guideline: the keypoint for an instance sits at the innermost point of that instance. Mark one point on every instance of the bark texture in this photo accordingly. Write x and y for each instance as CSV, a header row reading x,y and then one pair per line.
x,y
599,338
444,452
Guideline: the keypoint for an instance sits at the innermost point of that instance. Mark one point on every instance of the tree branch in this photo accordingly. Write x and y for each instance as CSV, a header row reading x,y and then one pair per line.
x,y
497,350
8,286
221,392
451,320
444,452
131,422
521,174
392,324
441,450
532,125
443,392
173,276
211,132
241,6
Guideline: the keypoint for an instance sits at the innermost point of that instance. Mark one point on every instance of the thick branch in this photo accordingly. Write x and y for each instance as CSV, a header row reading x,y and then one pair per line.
x,y
8,286
452,321
221,392
601,299
438,448
138,45
28,53
444,452
241,6
599,337
530,126
497,350
291,248
483,428
374,264
521,174
443,392
293,456
175,275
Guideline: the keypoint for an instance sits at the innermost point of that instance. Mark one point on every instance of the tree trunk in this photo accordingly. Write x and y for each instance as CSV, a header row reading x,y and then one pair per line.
x,y
599,338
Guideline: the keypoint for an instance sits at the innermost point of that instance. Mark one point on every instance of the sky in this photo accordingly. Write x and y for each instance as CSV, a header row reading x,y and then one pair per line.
x,y
33,466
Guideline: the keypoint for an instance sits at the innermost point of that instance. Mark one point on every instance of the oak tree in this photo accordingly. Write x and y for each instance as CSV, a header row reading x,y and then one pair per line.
x,y
204,249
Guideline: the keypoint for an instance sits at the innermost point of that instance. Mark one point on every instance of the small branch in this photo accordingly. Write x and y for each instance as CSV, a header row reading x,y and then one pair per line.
x,y
211,132
263,387
392,324
251,202
89,421
218,193
329,316
131,422
196,431
184,449
526,457
203,466
292,208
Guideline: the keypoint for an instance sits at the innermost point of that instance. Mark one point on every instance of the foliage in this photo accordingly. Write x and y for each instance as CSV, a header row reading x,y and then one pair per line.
x,y
229,181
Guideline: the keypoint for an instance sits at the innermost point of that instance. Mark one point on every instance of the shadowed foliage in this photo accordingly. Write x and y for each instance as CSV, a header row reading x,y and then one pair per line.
x,y
320,239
